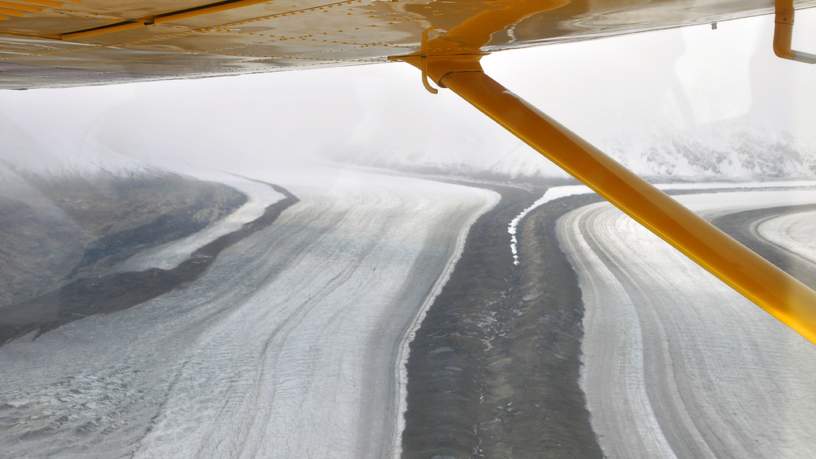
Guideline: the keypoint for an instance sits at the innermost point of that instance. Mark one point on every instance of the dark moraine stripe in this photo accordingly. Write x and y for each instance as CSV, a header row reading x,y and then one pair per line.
x,y
494,368
114,292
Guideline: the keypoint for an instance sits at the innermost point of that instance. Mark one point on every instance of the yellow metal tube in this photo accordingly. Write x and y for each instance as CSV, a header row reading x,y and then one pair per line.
x,y
772,289
783,34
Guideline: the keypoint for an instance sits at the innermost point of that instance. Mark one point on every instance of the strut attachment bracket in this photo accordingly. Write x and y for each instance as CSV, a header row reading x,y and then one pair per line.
x,y
783,34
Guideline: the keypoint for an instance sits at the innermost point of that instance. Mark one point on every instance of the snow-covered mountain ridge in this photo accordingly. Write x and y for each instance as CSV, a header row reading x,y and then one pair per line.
x,y
721,154
702,154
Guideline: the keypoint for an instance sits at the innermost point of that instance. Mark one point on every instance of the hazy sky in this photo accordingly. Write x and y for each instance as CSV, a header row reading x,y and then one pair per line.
x,y
610,90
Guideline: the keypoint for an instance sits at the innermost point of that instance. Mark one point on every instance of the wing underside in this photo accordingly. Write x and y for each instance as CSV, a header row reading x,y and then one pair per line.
x,y
48,43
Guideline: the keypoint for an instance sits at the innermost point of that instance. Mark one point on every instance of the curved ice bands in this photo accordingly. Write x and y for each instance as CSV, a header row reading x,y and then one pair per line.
x,y
676,363
795,232
558,192
287,346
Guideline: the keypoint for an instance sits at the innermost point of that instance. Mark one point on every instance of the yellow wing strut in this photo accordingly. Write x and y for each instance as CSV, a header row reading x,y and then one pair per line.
x,y
772,289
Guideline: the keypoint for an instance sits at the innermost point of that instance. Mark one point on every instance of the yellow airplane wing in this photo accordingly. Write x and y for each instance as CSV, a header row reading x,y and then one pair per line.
x,y
47,43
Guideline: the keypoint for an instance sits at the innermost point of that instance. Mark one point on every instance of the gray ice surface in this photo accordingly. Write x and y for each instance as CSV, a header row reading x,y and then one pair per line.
x,y
289,346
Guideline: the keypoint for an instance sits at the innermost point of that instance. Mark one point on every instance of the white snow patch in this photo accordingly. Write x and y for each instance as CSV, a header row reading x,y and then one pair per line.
x,y
550,195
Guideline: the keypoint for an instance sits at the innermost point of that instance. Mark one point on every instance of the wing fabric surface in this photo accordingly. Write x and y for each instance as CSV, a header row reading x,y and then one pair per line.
x,y
52,43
